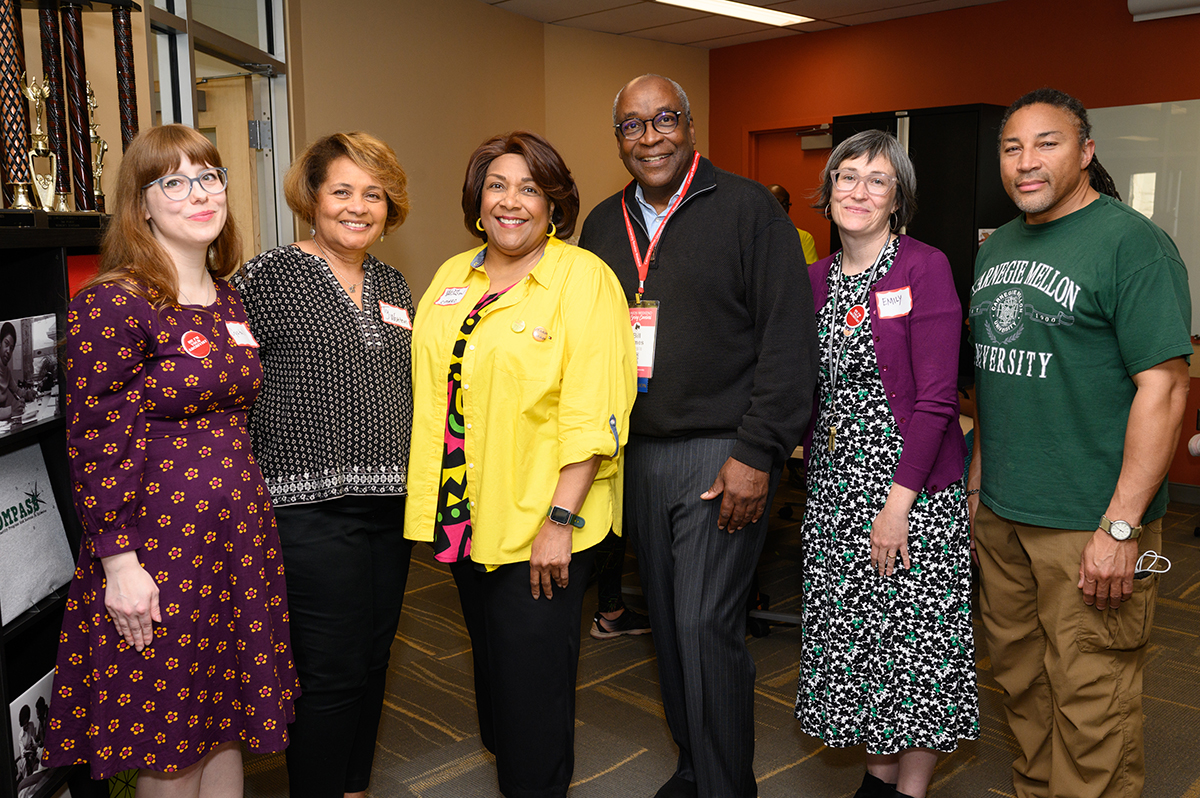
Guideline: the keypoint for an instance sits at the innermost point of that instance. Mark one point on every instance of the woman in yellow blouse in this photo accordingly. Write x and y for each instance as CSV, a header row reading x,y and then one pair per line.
x,y
523,376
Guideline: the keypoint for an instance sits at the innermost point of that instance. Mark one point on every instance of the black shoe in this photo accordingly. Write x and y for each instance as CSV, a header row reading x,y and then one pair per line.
x,y
627,623
873,787
677,787
897,794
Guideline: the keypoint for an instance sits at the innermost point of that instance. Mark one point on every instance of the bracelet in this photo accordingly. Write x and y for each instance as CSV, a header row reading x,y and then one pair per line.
x,y
973,491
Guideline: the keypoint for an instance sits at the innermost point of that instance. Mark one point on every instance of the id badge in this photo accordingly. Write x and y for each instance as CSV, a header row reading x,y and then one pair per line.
x,y
644,318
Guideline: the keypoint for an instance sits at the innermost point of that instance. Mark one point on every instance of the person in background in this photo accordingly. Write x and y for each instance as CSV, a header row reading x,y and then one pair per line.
x,y
1080,315
174,648
524,373
887,658
730,392
806,240
334,329
613,618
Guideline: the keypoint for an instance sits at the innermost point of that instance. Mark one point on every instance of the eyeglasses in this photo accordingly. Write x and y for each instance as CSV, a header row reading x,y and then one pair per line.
x,y
665,122
877,183
179,187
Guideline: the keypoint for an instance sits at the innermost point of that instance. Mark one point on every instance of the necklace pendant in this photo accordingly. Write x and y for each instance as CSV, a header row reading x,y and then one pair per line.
x,y
354,288
832,437
847,331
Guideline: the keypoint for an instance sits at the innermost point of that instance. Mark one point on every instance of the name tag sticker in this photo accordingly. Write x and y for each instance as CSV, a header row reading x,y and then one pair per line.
x,y
896,303
452,296
240,333
396,316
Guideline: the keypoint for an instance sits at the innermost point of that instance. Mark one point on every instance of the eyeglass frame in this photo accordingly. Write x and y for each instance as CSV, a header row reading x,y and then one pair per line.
x,y
892,181
648,123
192,183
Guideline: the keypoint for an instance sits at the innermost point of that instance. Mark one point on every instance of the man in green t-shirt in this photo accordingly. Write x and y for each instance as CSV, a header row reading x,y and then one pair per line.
x,y
1080,318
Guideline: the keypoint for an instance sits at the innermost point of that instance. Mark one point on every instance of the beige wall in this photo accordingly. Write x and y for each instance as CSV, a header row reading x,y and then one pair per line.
x,y
99,52
434,79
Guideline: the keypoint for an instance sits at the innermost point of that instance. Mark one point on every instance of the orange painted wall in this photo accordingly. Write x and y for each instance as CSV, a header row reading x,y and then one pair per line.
x,y
991,54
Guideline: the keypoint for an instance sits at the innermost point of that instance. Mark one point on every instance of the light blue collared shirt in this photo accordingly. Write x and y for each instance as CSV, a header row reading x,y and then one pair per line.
x,y
653,218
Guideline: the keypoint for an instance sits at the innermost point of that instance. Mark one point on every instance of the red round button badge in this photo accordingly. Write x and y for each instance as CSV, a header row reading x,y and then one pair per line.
x,y
195,344
855,316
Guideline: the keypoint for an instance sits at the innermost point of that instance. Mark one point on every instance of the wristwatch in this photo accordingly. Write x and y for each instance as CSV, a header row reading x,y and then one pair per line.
x,y
564,517
1120,530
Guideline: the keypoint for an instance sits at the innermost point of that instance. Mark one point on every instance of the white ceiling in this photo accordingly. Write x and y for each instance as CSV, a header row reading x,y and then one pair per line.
x,y
646,19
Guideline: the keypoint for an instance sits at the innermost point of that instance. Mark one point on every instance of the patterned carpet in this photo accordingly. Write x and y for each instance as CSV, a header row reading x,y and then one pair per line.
x,y
429,744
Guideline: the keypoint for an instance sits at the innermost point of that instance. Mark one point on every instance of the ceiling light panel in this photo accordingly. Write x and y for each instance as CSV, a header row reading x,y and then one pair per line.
x,y
726,8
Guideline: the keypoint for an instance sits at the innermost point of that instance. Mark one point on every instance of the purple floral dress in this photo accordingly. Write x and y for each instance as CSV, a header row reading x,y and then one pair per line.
x,y
161,465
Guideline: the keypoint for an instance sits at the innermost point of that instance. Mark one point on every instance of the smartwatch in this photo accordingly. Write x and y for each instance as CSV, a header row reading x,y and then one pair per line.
x,y
1120,530
564,517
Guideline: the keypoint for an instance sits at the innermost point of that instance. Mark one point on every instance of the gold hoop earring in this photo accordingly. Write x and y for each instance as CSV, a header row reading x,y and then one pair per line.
x,y
479,225
828,214
894,221
553,231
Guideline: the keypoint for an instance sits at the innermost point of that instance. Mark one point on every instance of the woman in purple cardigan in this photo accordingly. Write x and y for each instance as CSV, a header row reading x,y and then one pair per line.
x,y
888,656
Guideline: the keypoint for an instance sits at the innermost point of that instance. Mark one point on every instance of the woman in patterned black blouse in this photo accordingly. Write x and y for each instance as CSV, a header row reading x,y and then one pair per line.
x,y
331,433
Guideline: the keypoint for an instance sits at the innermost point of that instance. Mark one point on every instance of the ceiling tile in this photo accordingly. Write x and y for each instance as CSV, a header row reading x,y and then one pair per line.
x,y
908,10
557,10
634,18
697,30
746,38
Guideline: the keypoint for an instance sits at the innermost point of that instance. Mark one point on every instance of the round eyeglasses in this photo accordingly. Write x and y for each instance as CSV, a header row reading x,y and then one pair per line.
x,y
664,122
179,187
877,183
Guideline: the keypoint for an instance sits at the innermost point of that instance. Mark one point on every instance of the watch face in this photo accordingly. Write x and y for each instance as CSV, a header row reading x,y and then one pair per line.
x,y
560,515
1120,530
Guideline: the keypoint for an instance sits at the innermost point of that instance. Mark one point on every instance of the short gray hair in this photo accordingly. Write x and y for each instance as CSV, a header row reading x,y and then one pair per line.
x,y
683,98
873,143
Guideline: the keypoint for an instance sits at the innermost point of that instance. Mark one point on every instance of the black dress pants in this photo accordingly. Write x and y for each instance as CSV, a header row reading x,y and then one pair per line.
x,y
526,655
346,562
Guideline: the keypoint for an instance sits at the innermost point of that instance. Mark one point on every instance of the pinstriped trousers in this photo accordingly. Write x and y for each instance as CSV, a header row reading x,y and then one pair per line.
x,y
697,579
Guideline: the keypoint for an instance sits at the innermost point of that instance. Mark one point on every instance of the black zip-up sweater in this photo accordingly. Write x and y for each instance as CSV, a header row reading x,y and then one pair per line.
x,y
737,341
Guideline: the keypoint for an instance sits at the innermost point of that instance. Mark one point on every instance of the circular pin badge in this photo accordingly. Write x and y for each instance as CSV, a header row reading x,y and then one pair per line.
x,y
855,316
518,326
195,344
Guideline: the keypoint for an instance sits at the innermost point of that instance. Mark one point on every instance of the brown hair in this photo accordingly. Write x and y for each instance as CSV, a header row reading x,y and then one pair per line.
x,y
545,165
129,252
365,151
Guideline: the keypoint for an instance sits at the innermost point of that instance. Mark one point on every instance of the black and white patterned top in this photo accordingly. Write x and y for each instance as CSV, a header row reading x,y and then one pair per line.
x,y
335,413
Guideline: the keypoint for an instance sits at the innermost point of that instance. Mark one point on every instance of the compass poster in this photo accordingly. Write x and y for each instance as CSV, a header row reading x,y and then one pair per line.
x,y
35,559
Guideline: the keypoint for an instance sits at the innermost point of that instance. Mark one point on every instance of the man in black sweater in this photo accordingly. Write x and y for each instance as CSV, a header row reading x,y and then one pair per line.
x,y
727,381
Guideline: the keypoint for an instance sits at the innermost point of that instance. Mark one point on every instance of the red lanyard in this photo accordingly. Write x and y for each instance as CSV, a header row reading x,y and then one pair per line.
x,y
643,264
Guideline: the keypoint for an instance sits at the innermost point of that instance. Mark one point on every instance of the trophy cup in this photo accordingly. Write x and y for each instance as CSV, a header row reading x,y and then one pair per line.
x,y
43,184
99,148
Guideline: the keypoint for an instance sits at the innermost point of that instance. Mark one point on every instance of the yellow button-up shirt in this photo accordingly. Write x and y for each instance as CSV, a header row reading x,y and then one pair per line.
x,y
548,378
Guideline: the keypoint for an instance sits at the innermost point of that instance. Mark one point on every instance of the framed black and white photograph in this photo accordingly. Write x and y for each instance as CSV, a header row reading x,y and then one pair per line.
x,y
28,372
29,715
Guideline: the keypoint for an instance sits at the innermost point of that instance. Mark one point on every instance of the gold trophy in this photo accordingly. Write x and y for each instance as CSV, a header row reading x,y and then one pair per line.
x,y
99,148
43,184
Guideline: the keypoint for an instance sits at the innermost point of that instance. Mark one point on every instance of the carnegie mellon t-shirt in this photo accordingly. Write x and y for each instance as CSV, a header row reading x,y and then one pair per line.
x,y
1062,315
